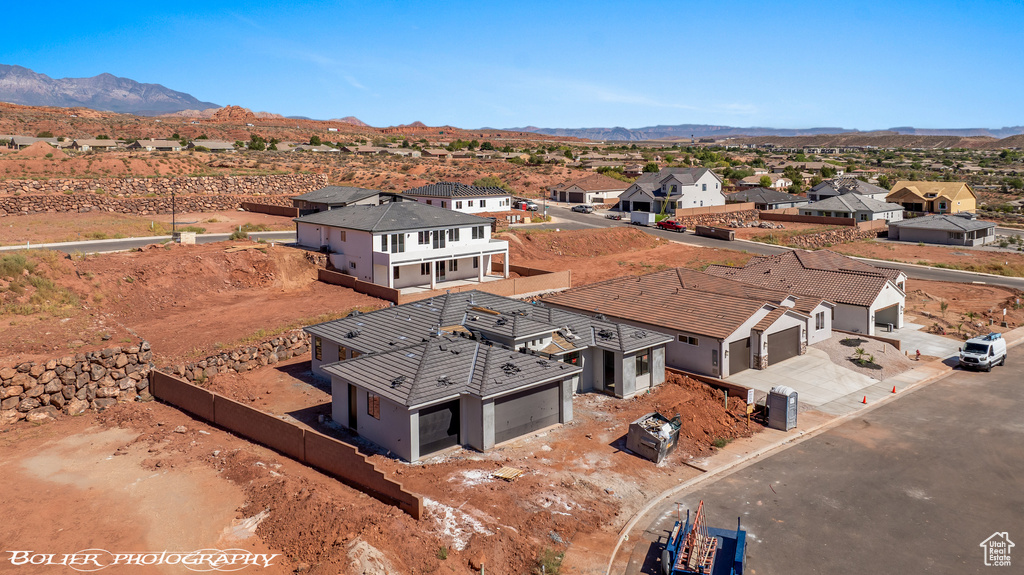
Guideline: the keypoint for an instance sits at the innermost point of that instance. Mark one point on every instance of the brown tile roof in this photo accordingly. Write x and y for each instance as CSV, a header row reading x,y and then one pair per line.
x,y
822,273
677,299
769,319
593,183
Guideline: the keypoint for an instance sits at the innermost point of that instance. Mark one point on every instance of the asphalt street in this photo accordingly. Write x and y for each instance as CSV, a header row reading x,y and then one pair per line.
x,y
914,486
121,245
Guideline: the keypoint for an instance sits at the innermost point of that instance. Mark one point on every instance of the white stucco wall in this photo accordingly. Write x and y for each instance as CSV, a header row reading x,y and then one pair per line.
x,y
462,203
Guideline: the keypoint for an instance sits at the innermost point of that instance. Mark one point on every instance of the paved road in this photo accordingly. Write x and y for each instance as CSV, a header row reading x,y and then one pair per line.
x,y
596,220
914,486
120,245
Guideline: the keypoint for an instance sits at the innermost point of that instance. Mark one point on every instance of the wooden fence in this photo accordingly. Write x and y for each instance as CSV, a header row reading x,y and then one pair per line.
x,y
702,210
334,457
271,209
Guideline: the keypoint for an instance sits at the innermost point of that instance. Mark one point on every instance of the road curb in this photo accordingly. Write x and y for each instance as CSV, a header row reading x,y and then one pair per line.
x,y
749,458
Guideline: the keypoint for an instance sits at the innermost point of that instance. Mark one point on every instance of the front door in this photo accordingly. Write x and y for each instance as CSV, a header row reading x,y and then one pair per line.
x,y
609,371
352,407
439,268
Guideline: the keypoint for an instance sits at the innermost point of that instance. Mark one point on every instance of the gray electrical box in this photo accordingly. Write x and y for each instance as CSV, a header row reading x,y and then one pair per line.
x,y
782,406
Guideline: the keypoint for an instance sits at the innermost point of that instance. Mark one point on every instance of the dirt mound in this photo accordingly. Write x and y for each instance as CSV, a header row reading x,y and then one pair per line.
x,y
581,243
40,150
186,300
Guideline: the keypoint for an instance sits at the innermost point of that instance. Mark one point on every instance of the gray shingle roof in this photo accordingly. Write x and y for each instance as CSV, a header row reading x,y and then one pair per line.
x,y
336,195
448,366
944,222
454,190
392,217
486,316
853,203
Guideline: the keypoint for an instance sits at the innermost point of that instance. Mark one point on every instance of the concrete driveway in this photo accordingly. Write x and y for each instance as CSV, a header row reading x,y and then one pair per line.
x,y
913,337
813,375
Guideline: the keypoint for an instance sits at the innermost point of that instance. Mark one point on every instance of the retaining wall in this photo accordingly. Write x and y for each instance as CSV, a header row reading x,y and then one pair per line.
x,y
290,344
274,210
71,384
720,219
840,236
783,216
327,454
288,184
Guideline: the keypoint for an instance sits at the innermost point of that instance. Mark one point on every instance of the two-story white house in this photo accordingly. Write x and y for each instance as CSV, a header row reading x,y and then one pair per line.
x,y
462,197
679,187
403,244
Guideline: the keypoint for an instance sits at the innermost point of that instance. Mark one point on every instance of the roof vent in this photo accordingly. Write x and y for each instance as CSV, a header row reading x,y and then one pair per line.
x,y
600,316
639,334
397,382
605,334
543,362
444,381
354,313
352,334
501,321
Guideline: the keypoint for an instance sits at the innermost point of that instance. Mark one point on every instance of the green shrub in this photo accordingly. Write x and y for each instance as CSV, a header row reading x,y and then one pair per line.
x,y
196,229
14,265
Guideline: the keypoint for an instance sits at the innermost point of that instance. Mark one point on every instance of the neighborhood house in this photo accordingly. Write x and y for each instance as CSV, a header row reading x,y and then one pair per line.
x,y
672,189
843,186
934,197
475,369
766,199
403,244
333,197
462,198
961,229
720,326
592,189
856,206
864,295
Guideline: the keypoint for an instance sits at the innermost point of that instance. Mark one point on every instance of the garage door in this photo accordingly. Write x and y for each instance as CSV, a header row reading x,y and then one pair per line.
x,y
526,411
783,345
578,197
739,356
888,315
439,427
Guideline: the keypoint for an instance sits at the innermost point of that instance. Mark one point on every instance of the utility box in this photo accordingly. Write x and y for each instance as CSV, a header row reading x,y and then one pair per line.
x,y
184,238
653,436
782,407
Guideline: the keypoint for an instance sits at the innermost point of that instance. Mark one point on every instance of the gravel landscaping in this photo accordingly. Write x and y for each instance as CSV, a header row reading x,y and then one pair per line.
x,y
888,361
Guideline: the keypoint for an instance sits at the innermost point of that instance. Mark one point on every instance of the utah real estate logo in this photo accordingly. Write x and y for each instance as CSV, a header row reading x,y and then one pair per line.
x,y
997,549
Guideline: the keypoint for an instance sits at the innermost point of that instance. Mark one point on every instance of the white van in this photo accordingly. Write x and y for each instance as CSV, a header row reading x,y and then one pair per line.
x,y
983,352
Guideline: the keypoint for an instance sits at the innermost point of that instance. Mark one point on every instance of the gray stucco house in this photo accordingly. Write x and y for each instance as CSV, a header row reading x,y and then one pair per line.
x,y
858,207
331,197
765,199
961,229
509,368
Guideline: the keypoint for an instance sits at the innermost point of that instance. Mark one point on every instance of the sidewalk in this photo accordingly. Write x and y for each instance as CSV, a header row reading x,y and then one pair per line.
x,y
587,554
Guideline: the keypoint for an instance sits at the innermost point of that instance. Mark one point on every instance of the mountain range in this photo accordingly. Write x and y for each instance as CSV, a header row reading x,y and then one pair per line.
x,y
696,131
104,92
110,93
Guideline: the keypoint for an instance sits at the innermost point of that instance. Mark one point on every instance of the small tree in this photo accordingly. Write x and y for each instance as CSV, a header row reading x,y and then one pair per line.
x,y
651,167
314,140
45,134
766,182
943,306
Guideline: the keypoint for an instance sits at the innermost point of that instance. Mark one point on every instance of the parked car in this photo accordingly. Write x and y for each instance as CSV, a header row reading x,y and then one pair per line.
x,y
671,225
614,215
583,208
528,206
983,352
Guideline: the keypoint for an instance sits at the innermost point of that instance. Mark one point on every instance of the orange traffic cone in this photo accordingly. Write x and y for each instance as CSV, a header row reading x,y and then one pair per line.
x,y
894,389
865,400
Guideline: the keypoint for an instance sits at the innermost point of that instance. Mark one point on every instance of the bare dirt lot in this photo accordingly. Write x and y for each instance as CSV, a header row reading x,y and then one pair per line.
x,y
599,254
52,228
967,312
186,300
999,263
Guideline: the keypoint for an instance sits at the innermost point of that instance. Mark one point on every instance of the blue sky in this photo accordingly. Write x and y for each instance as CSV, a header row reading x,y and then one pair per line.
x,y
864,65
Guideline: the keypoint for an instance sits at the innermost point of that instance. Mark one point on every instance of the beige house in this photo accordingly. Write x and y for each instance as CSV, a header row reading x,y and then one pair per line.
x,y
934,197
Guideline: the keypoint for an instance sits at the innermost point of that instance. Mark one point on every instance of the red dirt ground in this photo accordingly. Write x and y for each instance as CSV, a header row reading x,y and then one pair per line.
x,y
186,300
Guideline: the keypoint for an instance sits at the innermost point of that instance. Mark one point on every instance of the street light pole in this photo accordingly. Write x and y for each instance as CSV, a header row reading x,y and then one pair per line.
x,y
173,209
